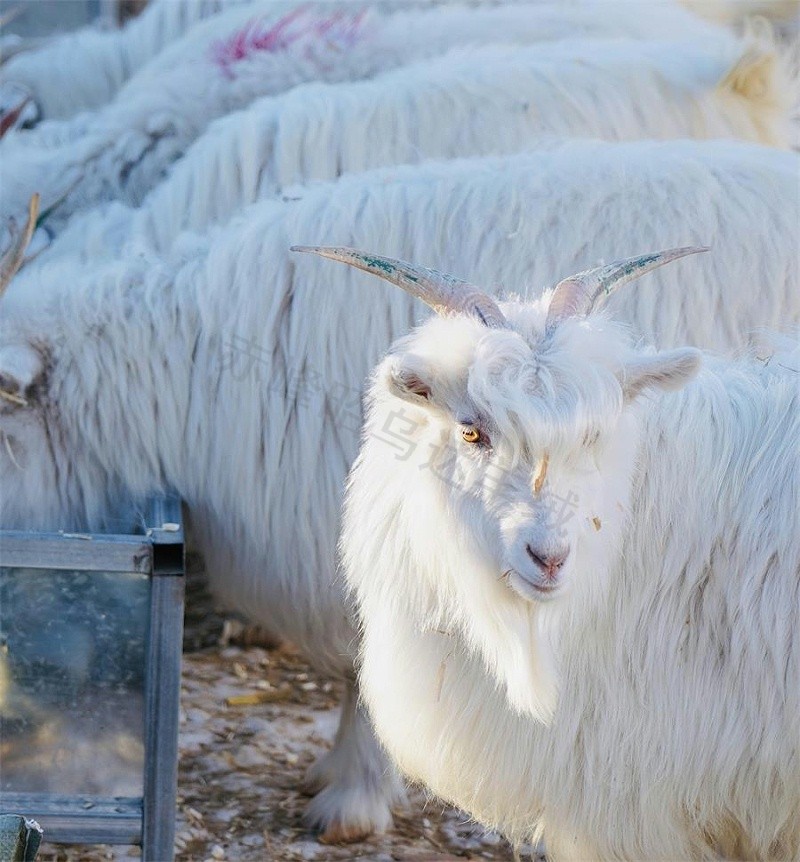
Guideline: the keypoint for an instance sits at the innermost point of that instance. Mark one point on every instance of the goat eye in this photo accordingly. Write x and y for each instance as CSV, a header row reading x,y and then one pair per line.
x,y
470,435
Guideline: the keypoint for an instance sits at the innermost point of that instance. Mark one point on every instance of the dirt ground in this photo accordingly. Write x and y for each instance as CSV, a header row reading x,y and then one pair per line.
x,y
241,763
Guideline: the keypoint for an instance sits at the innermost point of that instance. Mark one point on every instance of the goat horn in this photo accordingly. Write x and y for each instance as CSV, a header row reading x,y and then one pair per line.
x,y
13,258
445,294
577,295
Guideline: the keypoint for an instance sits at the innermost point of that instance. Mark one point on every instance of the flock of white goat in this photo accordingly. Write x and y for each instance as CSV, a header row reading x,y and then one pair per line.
x,y
571,562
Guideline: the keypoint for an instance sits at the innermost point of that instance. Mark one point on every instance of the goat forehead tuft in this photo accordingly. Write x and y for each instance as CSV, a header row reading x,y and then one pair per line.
x,y
536,390
548,394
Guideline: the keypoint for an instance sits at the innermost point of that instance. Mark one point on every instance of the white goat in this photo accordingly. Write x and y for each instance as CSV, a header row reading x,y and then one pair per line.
x,y
230,373
448,107
544,514
225,63
83,70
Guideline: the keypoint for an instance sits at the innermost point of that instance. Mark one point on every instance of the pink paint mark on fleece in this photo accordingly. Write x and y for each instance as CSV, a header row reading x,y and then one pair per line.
x,y
335,32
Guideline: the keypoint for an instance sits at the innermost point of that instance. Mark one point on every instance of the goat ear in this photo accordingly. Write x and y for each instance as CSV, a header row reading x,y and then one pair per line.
x,y
21,368
670,369
408,379
754,76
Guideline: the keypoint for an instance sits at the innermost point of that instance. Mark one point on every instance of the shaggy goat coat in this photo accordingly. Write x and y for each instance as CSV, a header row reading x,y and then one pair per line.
x,y
676,733
448,107
225,63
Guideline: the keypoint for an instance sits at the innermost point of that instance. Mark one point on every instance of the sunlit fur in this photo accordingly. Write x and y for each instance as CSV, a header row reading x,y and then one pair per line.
x,y
651,708
449,107
127,146
82,70
134,382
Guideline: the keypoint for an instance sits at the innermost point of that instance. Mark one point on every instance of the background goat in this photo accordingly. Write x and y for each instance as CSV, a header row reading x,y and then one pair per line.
x,y
448,107
224,63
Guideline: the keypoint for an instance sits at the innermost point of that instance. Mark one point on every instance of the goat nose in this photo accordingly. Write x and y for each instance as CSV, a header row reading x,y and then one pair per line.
x,y
550,562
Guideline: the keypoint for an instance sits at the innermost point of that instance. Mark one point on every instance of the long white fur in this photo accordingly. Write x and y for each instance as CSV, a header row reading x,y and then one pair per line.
x,y
127,147
449,107
145,374
676,729
81,71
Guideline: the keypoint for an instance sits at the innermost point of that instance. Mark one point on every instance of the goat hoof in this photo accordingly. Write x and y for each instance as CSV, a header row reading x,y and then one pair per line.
x,y
347,814
343,833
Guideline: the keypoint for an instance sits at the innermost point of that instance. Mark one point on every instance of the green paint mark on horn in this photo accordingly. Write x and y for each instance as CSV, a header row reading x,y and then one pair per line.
x,y
377,263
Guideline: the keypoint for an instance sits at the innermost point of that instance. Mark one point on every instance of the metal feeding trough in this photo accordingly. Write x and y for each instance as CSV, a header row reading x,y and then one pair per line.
x,y
91,627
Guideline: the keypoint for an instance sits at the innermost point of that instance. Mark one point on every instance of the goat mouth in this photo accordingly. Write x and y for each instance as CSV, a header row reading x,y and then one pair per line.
x,y
529,589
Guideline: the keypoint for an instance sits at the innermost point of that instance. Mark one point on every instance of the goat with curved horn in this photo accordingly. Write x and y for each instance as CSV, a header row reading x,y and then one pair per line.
x,y
578,294
445,294
15,255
